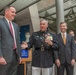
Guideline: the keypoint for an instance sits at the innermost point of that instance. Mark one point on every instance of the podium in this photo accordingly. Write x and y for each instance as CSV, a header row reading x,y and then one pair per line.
x,y
24,60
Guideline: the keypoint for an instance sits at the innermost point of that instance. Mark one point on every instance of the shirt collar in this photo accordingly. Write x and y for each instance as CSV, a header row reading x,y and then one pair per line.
x,y
63,33
44,31
7,20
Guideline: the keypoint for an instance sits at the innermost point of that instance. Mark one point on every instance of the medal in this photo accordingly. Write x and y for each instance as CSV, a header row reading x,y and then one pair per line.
x,y
42,48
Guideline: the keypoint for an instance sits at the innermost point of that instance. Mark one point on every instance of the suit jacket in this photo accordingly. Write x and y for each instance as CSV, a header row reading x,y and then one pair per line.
x,y
66,52
7,41
43,59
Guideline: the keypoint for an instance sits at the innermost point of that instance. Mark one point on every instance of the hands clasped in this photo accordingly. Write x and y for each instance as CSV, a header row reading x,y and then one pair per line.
x,y
49,42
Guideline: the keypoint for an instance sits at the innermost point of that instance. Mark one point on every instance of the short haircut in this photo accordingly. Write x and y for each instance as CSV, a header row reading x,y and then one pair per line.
x,y
63,23
71,31
7,7
43,20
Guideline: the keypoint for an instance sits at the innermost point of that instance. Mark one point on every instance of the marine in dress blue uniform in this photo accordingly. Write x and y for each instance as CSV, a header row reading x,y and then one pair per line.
x,y
44,44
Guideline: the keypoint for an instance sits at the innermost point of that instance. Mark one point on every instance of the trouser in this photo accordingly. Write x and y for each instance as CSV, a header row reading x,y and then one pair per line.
x,y
42,71
10,68
75,69
68,67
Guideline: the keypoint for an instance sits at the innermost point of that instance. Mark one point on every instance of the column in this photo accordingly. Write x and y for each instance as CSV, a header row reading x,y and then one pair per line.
x,y
59,13
59,17
34,17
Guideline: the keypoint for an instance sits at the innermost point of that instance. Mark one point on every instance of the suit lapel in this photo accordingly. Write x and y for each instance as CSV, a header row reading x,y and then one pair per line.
x,y
67,38
60,38
6,23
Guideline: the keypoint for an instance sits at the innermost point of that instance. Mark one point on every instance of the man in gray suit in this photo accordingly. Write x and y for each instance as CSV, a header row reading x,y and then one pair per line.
x,y
65,56
9,43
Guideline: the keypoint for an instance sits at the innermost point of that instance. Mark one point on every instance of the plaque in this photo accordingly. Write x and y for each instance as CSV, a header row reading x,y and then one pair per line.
x,y
24,53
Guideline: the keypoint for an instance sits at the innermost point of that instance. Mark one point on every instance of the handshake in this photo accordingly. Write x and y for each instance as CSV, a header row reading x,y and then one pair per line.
x,y
24,45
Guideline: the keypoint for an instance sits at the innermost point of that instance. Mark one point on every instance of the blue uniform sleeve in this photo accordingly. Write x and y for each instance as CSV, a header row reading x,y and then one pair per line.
x,y
31,41
55,43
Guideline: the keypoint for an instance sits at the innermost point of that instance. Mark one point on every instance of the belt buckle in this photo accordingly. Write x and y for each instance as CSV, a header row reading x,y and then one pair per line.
x,y
42,48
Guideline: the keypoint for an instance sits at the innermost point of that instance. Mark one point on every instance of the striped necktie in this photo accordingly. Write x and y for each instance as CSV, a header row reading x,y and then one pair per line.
x,y
12,32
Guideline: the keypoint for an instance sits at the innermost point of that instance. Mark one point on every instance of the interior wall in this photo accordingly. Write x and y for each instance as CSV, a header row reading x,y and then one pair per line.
x,y
1,16
23,18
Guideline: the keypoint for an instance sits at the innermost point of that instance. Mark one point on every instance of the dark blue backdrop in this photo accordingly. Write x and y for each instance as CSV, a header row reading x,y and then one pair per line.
x,y
23,30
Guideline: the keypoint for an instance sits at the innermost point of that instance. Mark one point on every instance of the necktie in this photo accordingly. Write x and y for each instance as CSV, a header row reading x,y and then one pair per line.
x,y
64,38
12,32
11,29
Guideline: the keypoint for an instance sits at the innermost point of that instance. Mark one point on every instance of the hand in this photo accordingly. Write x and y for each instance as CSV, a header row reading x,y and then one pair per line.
x,y
57,62
24,45
2,61
72,62
49,42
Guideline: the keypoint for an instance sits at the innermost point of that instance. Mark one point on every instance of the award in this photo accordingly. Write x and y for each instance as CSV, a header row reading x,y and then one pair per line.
x,y
49,37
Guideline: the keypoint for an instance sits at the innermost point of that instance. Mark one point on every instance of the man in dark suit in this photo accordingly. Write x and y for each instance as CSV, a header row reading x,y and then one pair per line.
x,y
44,43
9,43
65,56
71,32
